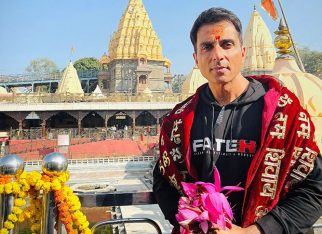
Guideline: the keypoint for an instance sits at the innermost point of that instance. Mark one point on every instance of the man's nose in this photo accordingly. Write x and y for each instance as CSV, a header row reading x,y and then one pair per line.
x,y
217,53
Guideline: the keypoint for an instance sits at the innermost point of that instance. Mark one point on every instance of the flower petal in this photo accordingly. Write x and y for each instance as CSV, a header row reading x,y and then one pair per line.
x,y
232,189
186,214
210,188
189,188
217,179
204,226
226,206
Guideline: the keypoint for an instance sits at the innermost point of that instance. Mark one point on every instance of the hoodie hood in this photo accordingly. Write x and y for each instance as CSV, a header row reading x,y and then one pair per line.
x,y
254,91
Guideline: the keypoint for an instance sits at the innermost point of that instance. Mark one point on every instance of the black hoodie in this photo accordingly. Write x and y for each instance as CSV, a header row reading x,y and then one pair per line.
x,y
224,136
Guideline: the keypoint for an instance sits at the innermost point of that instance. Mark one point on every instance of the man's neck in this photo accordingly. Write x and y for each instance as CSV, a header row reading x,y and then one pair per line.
x,y
228,92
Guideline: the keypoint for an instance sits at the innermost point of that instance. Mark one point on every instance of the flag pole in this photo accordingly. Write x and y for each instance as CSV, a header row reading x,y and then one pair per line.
x,y
295,49
72,51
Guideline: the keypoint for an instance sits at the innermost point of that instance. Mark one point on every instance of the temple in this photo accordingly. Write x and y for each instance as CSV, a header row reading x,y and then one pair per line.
x,y
135,63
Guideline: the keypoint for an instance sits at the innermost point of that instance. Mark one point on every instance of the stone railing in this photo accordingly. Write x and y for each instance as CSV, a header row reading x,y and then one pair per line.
x,y
72,98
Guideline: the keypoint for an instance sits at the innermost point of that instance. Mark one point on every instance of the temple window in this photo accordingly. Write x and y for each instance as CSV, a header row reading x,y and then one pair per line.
x,y
142,79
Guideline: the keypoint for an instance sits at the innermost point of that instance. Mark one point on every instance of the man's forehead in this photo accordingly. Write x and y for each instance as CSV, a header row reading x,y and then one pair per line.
x,y
216,28
217,31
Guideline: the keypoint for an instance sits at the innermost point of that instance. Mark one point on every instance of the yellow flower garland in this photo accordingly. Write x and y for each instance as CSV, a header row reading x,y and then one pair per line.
x,y
32,183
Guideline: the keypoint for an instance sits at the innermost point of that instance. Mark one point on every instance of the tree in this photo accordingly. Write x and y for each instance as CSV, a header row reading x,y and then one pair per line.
x,y
177,82
85,64
42,66
312,61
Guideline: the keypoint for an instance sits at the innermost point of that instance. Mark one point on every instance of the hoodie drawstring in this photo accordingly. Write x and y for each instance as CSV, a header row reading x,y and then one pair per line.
x,y
232,124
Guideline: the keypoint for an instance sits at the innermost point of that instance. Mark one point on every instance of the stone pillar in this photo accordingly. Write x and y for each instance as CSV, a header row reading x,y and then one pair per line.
x,y
133,124
79,126
20,129
106,120
158,126
158,122
43,128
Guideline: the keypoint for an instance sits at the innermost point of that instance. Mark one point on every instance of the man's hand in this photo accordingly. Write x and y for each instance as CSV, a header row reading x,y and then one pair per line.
x,y
253,229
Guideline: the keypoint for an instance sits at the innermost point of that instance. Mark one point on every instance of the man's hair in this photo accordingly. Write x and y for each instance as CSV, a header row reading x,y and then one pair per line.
x,y
212,16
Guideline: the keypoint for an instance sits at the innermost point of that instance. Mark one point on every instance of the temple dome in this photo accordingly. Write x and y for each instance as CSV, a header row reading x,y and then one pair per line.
x,y
135,37
167,63
307,87
97,92
260,51
193,82
104,59
70,82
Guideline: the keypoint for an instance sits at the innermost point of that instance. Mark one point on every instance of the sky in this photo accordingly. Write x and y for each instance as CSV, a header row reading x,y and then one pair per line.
x,y
50,28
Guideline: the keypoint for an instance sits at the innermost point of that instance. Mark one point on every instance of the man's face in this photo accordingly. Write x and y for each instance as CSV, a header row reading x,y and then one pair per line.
x,y
219,54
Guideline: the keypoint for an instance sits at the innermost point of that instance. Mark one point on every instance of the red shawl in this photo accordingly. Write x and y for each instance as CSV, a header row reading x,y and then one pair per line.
x,y
286,156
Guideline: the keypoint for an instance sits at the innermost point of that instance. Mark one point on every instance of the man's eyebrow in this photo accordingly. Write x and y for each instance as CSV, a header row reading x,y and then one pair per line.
x,y
207,43
227,40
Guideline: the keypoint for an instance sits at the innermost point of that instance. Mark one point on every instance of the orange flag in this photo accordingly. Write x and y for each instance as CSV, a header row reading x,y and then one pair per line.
x,y
268,6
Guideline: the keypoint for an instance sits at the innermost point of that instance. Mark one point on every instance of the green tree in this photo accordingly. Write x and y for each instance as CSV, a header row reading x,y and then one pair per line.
x,y
312,61
85,64
177,82
42,66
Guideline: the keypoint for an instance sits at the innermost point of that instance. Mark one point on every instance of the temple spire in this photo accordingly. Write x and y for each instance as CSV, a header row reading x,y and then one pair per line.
x,y
260,52
135,37
70,82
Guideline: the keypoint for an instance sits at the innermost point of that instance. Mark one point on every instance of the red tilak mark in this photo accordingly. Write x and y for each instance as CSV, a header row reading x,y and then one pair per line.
x,y
217,38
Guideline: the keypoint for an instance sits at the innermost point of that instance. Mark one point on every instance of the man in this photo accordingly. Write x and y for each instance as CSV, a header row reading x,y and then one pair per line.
x,y
253,130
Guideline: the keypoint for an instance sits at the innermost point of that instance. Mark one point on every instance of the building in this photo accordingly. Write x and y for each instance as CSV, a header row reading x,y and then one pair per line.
x,y
193,81
135,63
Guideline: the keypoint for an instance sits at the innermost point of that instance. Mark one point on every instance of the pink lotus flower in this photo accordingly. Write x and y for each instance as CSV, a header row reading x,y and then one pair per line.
x,y
205,206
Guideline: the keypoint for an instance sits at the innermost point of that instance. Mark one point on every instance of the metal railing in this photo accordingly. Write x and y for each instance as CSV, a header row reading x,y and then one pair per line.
x,y
98,133
31,77
79,162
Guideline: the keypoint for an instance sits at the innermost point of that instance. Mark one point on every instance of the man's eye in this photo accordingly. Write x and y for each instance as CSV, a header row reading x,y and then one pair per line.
x,y
227,45
206,47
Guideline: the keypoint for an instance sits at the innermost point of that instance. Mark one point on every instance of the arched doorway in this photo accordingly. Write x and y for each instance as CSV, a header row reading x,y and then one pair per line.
x,y
61,120
32,120
7,122
146,124
119,120
92,120
145,118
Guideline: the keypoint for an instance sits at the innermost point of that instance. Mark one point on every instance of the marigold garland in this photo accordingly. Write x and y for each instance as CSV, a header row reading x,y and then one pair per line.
x,y
32,184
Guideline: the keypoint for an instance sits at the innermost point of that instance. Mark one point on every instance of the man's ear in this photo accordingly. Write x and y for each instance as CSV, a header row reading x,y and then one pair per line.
x,y
195,58
243,52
